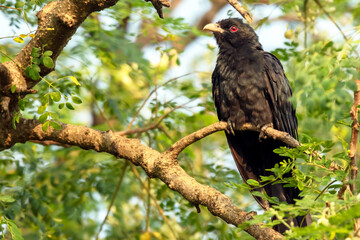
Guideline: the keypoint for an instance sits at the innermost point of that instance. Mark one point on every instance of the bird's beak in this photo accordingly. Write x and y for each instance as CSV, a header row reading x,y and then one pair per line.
x,y
213,27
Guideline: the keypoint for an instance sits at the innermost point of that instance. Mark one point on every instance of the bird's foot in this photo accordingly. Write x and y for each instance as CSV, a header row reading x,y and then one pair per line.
x,y
230,127
262,134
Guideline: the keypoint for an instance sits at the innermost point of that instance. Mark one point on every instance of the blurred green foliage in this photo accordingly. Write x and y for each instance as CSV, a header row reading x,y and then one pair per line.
x,y
62,192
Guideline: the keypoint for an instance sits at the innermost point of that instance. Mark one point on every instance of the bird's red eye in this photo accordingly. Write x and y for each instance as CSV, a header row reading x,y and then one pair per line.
x,y
233,29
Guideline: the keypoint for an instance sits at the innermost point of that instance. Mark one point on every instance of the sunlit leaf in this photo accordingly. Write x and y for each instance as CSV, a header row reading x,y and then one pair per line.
x,y
14,230
41,109
18,40
253,182
55,96
72,78
7,198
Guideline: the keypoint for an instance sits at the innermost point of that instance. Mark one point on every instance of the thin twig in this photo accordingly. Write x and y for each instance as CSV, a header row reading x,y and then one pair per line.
x,y
101,112
148,206
150,94
14,8
241,10
113,198
161,211
331,19
152,125
305,22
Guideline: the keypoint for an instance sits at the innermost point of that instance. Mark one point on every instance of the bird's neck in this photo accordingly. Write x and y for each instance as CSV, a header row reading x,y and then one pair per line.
x,y
241,57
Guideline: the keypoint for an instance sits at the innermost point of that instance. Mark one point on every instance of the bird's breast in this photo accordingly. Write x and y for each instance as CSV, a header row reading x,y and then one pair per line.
x,y
239,94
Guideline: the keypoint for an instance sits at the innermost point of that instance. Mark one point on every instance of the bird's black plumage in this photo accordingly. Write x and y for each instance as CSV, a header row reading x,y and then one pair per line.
x,y
249,86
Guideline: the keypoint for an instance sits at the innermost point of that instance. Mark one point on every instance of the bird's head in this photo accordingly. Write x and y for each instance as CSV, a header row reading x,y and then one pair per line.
x,y
233,33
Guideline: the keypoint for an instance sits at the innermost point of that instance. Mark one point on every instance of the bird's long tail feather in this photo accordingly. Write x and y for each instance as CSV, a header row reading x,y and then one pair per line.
x,y
253,158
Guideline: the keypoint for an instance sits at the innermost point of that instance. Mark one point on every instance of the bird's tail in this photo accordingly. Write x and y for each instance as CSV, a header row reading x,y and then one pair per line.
x,y
252,158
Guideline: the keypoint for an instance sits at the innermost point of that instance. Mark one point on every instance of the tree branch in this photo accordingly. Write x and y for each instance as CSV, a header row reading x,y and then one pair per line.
x,y
354,137
180,145
57,23
241,10
158,4
157,165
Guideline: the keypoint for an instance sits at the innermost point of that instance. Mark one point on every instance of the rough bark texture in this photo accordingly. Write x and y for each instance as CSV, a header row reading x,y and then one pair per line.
x,y
57,23
163,166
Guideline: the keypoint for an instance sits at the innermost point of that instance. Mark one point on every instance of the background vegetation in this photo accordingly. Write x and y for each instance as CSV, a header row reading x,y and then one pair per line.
x,y
126,68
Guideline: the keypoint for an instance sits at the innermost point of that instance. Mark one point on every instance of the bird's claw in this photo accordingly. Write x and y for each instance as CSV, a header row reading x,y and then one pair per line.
x,y
230,128
262,134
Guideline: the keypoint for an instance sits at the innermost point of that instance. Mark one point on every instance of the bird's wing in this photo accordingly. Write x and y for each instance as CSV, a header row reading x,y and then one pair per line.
x,y
278,91
244,146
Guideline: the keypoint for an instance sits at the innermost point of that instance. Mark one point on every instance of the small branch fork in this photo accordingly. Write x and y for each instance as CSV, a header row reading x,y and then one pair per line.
x,y
163,166
157,165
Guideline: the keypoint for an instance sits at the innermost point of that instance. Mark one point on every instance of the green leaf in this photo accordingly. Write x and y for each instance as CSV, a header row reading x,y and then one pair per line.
x,y
15,120
32,72
45,126
43,117
19,4
56,96
48,53
7,198
47,61
36,67
76,100
21,104
72,78
61,105
14,230
42,109
36,61
13,88
55,125
35,55
70,106
300,185
34,49
253,182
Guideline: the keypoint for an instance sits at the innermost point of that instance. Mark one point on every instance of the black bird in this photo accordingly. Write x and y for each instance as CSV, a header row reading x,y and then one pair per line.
x,y
250,86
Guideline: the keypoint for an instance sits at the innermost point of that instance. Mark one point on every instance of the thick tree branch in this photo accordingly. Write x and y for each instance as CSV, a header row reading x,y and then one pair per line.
x,y
57,23
157,165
